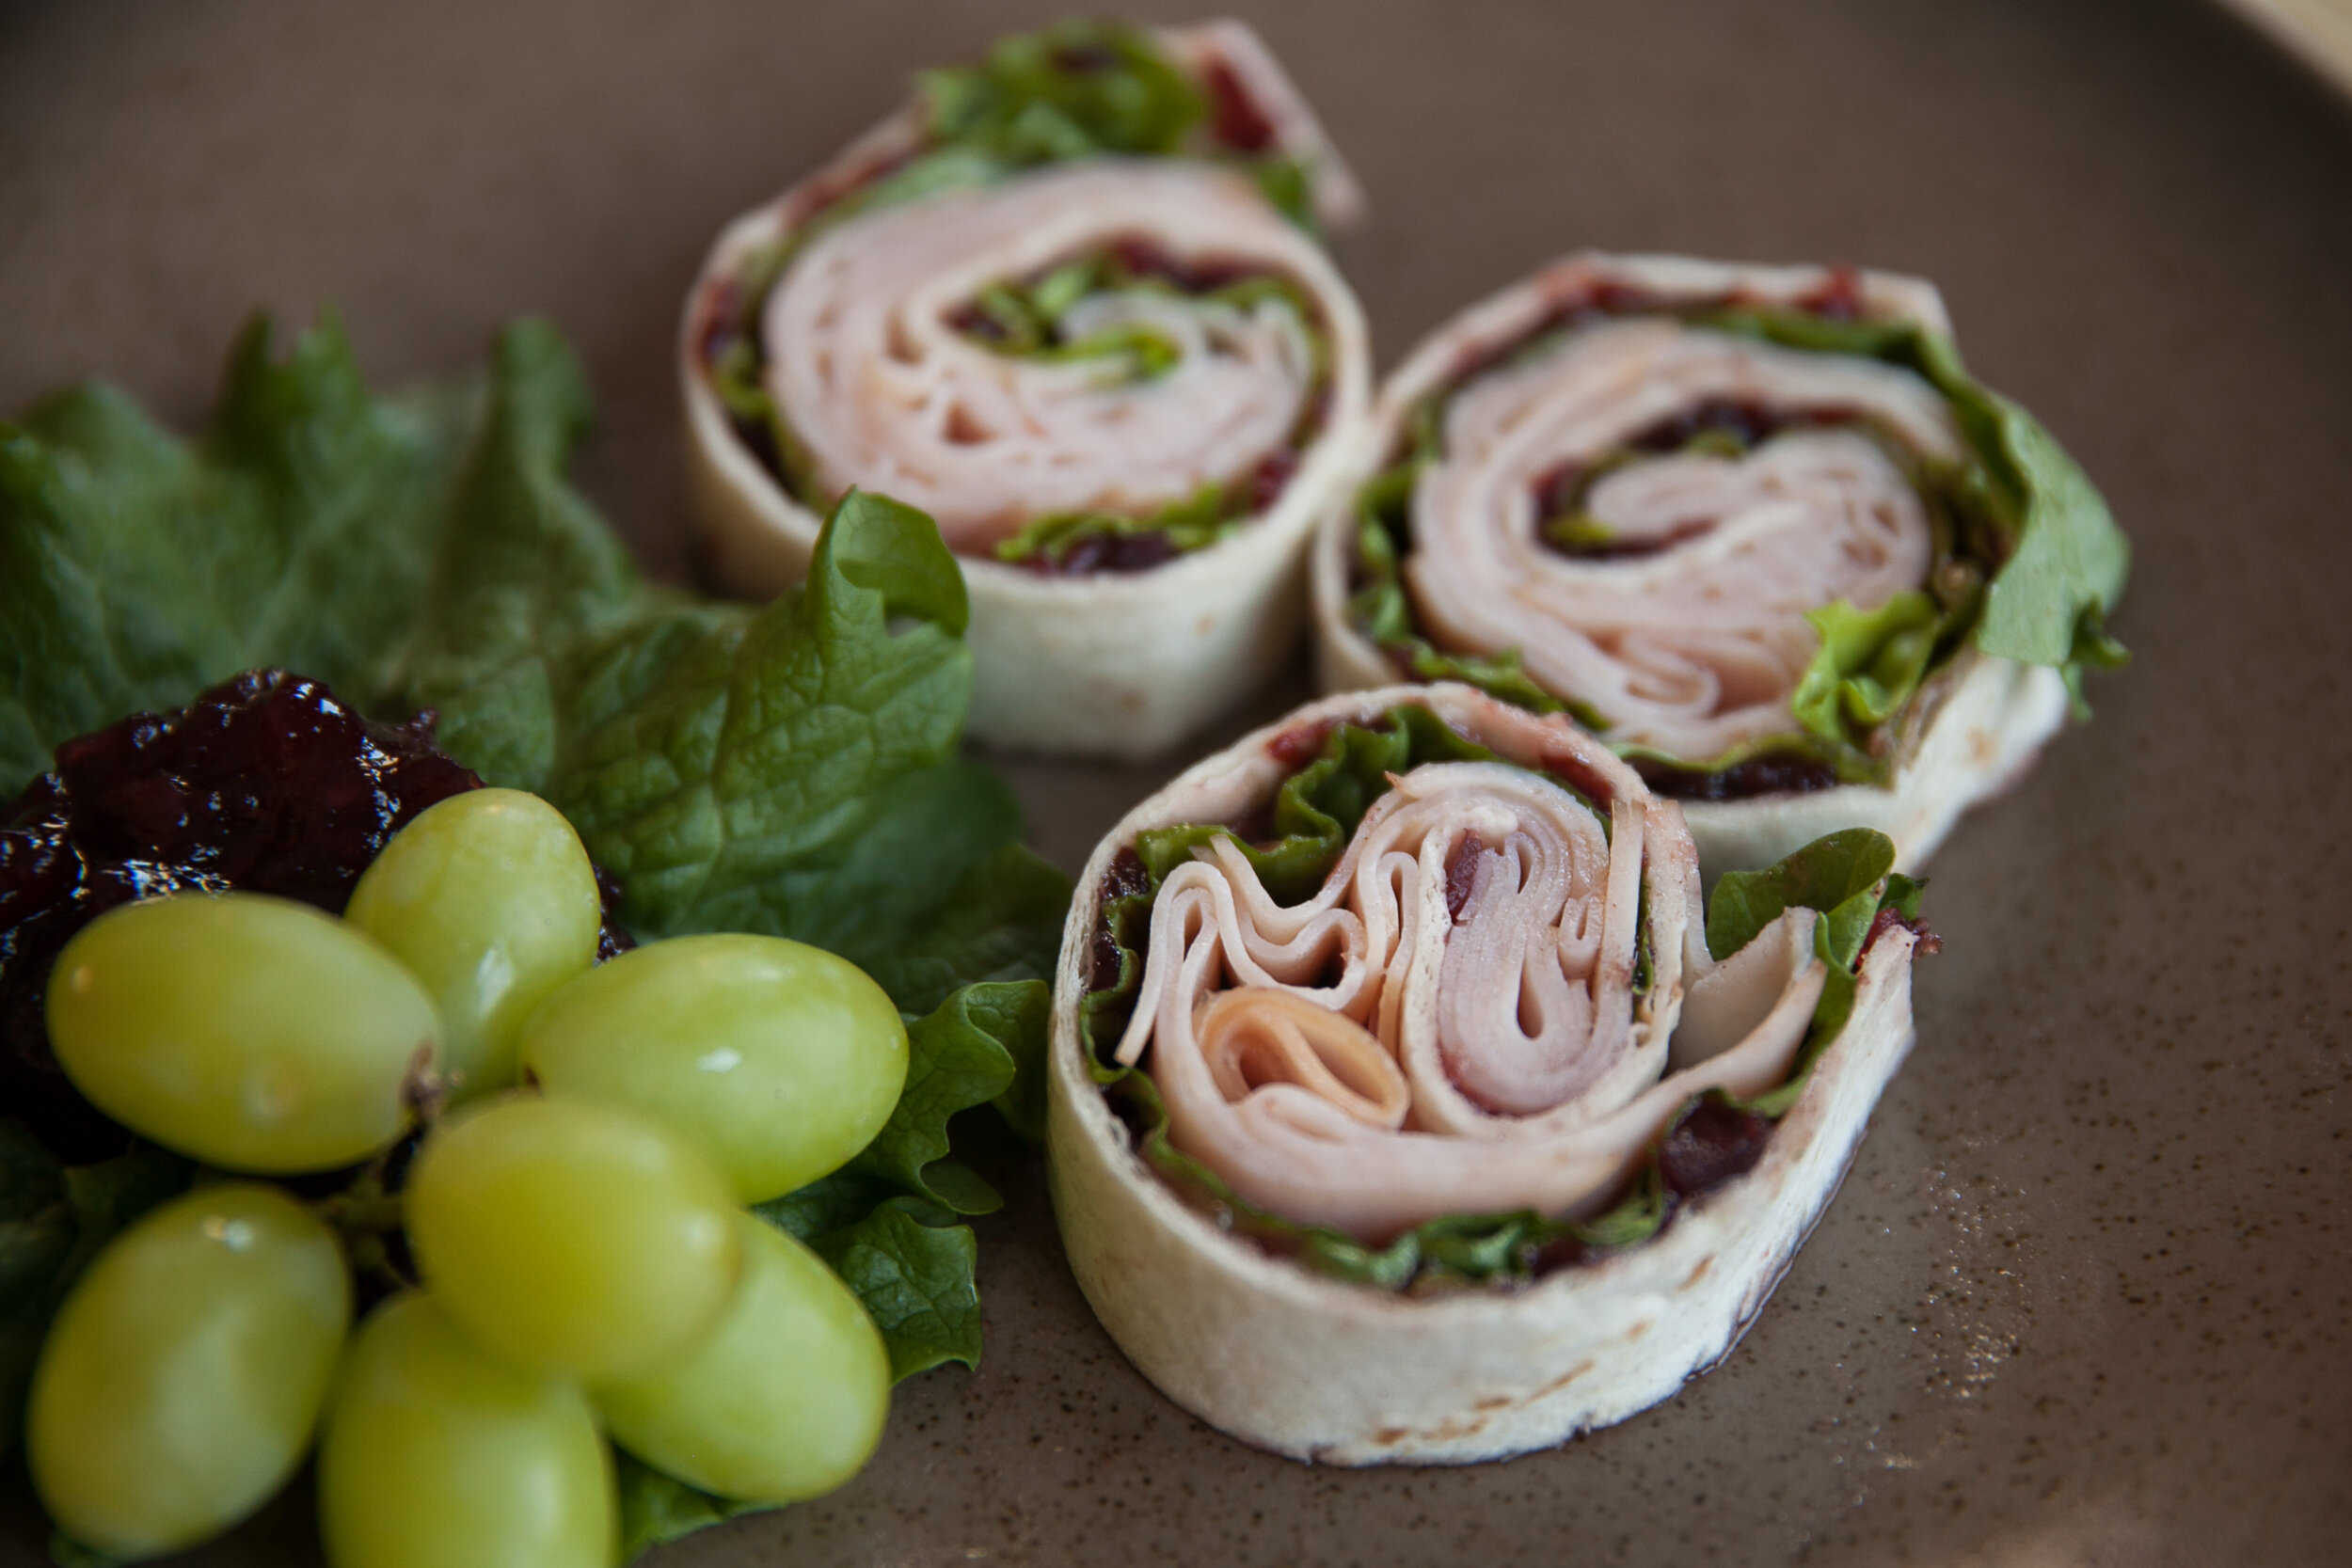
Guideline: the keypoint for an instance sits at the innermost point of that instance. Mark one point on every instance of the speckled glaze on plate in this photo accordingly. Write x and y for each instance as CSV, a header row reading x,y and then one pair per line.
x,y
2086,1298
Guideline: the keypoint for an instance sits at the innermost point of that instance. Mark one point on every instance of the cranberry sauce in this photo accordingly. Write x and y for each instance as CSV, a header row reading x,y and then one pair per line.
x,y
265,782
1589,300
1782,773
1741,425
1926,943
1234,116
1713,1142
1104,552
1125,877
1300,745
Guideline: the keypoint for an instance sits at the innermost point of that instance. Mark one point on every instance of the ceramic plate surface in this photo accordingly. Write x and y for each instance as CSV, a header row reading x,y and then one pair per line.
x,y
2087,1296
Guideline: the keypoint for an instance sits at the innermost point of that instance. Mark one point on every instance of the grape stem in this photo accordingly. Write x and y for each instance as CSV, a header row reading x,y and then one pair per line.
x,y
422,1090
368,1215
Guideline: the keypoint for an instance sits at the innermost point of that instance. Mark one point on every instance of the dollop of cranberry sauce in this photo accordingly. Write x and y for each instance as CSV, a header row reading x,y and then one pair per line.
x,y
265,782
1781,773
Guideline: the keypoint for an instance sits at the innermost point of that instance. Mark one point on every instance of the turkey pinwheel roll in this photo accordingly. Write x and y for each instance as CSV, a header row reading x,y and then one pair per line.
x,y
1754,526
1408,1107
1069,302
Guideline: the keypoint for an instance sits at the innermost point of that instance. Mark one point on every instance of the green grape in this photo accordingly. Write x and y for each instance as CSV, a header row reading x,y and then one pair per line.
x,y
438,1454
490,899
180,1382
254,1033
779,1060
572,1237
783,1400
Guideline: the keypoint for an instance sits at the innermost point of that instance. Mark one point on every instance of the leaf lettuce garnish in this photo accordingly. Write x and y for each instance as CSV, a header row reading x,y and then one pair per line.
x,y
789,770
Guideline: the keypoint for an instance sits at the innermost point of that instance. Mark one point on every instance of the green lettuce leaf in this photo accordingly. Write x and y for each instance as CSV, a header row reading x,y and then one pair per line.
x,y
2062,559
2055,591
136,568
658,1509
965,1054
1081,88
1075,89
1869,664
1501,677
1316,810
1849,878
1015,1018
794,772
1003,922
1825,874
730,771
525,573
789,770
915,1278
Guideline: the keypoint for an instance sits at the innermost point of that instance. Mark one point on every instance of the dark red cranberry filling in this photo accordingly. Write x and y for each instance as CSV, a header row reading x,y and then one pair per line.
x,y
1234,116
265,782
1789,774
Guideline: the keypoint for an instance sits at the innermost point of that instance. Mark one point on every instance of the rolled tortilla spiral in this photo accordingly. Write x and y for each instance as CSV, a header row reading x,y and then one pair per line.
x,y
1449,1025
1294,1090
1097,650
1692,641
884,390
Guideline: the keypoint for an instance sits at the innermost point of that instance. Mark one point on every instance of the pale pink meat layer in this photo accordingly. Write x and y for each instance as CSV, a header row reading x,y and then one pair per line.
x,y
886,390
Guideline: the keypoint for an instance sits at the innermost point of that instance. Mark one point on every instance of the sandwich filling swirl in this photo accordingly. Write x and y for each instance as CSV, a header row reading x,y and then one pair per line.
x,y
1648,511
1152,394
1473,1013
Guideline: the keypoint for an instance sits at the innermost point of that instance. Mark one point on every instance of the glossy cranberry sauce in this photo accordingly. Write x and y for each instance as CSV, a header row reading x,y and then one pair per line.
x,y
265,782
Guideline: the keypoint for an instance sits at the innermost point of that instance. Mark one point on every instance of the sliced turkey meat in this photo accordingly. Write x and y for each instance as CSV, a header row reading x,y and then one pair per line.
x,y
1477,941
886,390
1692,641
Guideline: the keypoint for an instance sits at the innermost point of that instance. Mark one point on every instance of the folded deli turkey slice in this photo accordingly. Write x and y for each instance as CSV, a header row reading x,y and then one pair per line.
x,y
1407,1104
1754,526
1069,303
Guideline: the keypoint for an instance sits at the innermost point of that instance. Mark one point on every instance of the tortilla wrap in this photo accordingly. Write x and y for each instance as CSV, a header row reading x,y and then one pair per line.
x,y
1346,1373
1691,642
885,391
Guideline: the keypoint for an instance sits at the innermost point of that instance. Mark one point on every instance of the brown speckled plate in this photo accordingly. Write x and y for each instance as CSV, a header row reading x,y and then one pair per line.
x,y
2086,1298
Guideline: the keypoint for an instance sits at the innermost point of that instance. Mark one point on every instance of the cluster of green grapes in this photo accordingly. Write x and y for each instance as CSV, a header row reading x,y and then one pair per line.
x,y
587,1264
